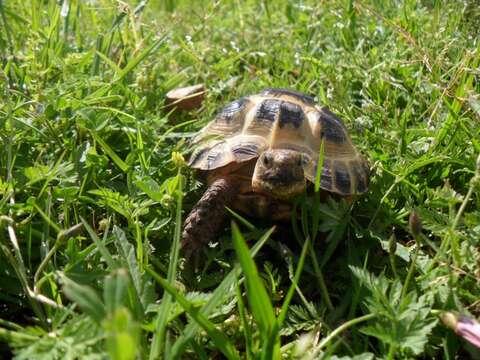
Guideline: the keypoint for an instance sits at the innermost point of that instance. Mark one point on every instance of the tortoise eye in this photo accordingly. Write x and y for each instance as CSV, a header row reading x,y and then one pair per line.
x,y
267,161
305,160
300,160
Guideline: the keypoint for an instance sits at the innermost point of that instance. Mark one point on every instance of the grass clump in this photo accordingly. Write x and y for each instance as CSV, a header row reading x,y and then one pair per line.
x,y
93,185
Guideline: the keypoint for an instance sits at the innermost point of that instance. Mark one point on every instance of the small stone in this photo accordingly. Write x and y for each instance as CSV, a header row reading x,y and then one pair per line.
x,y
185,98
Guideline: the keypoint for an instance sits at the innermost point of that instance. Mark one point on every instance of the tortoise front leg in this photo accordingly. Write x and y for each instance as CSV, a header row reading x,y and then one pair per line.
x,y
206,218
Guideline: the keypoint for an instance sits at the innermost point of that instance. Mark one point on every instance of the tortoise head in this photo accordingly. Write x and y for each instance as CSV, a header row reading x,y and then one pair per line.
x,y
279,173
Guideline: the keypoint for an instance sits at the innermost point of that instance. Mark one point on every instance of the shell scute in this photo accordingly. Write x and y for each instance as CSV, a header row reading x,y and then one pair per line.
x,y
218,156
326,178
289,93
228,121
342,178
331,127
268,110
197,156
360,175
291,114
246,150
229,112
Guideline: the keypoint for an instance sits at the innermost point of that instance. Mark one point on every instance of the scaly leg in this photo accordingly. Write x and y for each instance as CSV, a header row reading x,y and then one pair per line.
x,y
206,218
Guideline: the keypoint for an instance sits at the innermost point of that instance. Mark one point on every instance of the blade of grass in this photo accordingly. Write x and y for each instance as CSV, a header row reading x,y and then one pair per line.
x,y
7,28
116,159
244,221
109,62
96,59
220,340
247,332
136,60
321,157
464,86
313,256
258,298
140,149
334,238
316,199
216,298
291,290
162,317
273,340
321,280
100,245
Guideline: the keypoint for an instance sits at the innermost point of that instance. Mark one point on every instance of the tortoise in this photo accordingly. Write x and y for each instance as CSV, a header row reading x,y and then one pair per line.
x,y
260,152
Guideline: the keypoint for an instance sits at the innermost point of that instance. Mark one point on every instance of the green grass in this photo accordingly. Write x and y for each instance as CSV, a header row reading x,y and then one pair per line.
x,y
93,187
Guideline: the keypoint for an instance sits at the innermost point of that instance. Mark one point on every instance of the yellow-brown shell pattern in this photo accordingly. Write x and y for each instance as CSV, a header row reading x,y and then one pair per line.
x,y
283,119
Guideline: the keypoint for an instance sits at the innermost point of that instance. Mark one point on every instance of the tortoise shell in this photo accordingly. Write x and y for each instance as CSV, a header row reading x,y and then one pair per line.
x,y
283,119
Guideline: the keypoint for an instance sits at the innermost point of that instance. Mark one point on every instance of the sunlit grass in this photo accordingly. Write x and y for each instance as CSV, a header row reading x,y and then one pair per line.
x,y
93,187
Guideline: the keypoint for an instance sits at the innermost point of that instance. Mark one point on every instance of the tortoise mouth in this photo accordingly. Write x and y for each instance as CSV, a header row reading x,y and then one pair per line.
x,y
278,188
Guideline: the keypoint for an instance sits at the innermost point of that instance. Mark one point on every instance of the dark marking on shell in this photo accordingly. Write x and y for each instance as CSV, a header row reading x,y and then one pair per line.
x,y
227,114
294,94
212,159
291,113
332,127
245,151
342,177
268,110
215,155
197,155
326,176
360,176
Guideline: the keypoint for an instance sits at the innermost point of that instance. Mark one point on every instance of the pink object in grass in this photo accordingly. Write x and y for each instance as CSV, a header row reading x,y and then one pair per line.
x,y
463,326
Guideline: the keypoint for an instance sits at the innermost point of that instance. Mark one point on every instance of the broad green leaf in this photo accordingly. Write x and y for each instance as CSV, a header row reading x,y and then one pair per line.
x,y
86,298
150,187
115,290
123,335
403,324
